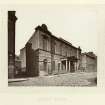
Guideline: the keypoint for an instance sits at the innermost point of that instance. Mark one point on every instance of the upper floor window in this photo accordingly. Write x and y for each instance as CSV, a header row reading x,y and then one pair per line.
x,y
66,50
53,45
45,39
61,48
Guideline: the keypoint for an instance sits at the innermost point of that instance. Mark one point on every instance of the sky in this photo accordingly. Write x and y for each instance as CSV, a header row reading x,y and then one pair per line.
x,y
74,23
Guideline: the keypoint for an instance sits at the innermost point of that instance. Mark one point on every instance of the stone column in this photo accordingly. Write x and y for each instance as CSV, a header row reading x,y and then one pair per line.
x,y
75,66
66,65
11,43
69,66
60,66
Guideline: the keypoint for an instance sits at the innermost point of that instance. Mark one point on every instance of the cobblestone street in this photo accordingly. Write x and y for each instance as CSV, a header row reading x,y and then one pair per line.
x,y
69,79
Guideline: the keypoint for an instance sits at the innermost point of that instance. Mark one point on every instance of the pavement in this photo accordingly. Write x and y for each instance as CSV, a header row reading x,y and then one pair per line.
x,y
17,80
68,79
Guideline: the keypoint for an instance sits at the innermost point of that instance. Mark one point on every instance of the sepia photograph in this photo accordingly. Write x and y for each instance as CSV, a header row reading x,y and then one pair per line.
x,y
52,45
52,52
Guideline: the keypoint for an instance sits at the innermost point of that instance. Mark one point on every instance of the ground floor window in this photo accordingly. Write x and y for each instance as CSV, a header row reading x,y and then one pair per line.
x,y
45,64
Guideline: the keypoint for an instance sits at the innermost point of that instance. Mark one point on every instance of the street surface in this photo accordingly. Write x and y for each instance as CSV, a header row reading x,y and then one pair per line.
x,y
68,79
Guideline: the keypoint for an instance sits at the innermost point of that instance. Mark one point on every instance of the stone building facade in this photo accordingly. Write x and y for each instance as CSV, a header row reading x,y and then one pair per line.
x,y
89,62
11,43
46,54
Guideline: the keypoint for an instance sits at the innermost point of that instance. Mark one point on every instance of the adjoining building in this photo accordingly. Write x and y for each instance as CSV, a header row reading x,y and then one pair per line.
x,y
17,66
89,62
46,54
11,43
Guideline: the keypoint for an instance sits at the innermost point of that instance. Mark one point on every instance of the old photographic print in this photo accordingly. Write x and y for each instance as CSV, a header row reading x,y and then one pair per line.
x,y
52,46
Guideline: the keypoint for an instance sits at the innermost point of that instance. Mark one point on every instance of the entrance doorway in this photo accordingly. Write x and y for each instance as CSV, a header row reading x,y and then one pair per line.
x,y
72,66
64,65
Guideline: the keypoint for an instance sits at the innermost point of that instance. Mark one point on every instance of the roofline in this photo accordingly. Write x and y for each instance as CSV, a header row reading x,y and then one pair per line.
x,y
22,48
49,33
89,55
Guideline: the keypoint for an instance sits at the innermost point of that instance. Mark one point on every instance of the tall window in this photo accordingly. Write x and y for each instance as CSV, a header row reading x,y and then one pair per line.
x,y
45,64
65,50
52,45
44,43
61,48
